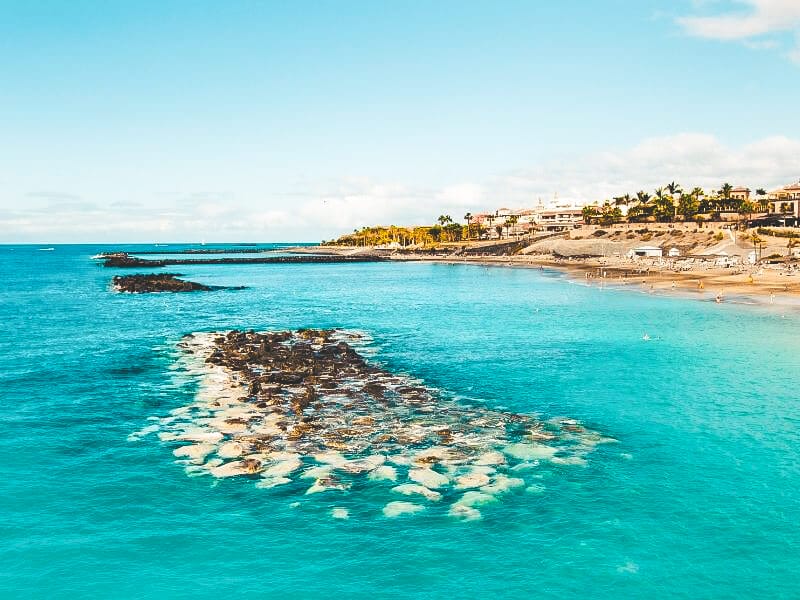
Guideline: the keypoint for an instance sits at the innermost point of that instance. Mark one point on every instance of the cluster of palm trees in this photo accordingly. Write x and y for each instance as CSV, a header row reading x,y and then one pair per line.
x,y
447,230
672,203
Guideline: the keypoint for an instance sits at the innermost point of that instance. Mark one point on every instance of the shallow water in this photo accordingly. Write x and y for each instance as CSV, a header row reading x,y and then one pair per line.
x,y
700,498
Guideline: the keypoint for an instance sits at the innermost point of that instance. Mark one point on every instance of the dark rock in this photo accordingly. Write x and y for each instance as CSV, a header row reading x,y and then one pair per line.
x,y
158,282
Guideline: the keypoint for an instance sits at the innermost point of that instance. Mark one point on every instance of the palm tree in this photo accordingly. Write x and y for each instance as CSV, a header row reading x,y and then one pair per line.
x,y
761,192
510,222
444,220
688,205
468,219
725,192
664,206
747,208
673,188
642,208
589,212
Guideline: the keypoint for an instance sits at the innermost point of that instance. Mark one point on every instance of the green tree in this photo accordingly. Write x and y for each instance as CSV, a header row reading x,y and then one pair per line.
x,y
510,222
747,208
673,188
664,207
468,219
688,205
724,194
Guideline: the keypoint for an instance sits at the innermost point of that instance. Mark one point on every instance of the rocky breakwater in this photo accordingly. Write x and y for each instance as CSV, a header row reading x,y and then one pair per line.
x,y
125,260
159,282
305,411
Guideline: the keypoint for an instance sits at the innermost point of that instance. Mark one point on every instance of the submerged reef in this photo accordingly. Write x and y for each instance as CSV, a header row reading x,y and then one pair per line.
x,y
308,411
158,282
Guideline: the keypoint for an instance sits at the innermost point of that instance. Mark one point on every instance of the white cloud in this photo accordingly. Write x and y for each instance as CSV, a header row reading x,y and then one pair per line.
x,y
323,210
691,159
753,22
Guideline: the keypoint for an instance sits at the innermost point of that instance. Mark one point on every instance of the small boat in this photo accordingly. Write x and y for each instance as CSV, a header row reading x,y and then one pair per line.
x,y
46,249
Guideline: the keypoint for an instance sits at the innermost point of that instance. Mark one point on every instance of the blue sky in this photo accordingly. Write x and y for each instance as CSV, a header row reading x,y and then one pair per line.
x,y
268,121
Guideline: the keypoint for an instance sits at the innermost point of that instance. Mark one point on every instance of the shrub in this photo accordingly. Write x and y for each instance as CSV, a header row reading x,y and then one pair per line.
x,y
776,233
647,237
599,233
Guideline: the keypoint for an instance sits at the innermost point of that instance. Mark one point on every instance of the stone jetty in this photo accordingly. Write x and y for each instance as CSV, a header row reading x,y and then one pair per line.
x,y
125,260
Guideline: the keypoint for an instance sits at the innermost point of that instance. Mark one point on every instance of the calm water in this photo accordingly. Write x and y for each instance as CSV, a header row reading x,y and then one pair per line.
x,y
700,498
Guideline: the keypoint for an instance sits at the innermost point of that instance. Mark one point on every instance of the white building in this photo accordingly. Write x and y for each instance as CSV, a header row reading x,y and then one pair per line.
x,y
648,251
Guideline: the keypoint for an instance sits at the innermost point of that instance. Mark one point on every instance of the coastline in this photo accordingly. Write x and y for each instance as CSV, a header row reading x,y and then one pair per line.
x,y
755,285
767,287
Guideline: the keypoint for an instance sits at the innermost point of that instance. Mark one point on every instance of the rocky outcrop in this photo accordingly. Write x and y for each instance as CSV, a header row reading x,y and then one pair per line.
x,y
305,410
157,282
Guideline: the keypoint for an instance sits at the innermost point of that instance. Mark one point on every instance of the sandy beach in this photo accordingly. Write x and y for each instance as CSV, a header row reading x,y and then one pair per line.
x,y
760,284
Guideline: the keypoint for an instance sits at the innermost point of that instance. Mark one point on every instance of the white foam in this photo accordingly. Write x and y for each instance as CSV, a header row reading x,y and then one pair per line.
x,y
283,468
409,489
502,484
317,472
321,485
526,452
464,512
490,459
396,509
231,469
471,480
271,482
428,477
473,499
384,473
340,513
230,450
195,452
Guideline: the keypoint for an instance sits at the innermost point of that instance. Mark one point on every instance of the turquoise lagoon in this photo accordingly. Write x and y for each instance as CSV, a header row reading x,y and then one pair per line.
x,y
699,498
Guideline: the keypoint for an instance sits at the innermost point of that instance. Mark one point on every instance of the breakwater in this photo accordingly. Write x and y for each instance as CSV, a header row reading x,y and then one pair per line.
x,y
125,260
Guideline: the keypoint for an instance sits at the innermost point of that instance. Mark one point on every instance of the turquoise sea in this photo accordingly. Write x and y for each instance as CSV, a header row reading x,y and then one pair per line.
x,y
700,497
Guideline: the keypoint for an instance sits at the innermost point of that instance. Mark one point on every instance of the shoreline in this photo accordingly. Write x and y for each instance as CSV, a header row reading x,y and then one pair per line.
x,y
768,287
